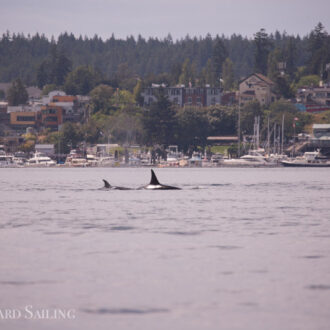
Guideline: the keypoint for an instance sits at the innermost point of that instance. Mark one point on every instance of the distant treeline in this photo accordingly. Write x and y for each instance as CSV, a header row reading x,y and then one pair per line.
x,y
25,57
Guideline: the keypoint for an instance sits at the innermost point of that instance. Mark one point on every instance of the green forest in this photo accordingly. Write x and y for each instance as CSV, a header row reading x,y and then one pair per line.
x,y
37,60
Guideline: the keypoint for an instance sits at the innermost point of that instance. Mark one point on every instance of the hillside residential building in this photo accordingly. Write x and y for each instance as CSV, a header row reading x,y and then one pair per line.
x,y
313,99
50,116
23,119
184,96
256,87
49,112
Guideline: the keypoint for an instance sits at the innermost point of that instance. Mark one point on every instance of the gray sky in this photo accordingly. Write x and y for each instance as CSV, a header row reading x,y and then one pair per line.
x,y
157,18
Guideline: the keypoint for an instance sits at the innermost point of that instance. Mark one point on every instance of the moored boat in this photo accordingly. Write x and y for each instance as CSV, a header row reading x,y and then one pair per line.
x,y
308,159
253,159
40,160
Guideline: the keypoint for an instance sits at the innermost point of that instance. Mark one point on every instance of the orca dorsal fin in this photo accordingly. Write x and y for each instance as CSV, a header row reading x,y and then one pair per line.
x,y
154,180
106,184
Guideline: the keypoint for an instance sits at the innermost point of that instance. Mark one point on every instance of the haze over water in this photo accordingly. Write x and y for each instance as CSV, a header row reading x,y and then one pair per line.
x,y
234,249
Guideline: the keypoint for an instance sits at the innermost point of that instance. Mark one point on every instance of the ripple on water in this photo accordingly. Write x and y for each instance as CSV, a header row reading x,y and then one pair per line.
x,y
122,228
184,233
320,287
21,283
101,311
226,247
312,257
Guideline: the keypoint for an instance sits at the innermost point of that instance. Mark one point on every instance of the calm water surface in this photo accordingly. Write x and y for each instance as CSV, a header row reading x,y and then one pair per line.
x,y
235,249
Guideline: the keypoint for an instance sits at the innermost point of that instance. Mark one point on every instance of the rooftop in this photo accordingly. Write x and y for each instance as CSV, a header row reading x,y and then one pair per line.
x,y
321,126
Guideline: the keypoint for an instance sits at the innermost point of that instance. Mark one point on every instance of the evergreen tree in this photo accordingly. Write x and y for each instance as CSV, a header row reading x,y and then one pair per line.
x,y
208,75
175,73
42,75
218,57
17,93
62,68
53,63
187,74
228,74
137,93
274,58
319,47
291,55
159,122
81,81
262,49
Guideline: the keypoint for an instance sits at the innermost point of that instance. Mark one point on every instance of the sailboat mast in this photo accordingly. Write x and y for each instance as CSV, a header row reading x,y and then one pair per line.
x,y
274,138
268,138
279,139
258,132
239,125
282,145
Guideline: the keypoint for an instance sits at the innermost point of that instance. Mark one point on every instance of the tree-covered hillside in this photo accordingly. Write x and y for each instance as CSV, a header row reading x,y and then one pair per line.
x,y
36,59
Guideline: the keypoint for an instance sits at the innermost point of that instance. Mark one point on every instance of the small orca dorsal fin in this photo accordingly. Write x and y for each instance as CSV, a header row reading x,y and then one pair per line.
x,y
106,184
154,180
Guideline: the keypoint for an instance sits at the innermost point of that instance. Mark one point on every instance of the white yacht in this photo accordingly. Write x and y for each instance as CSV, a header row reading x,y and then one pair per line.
x,y
74,159
308,159
253,158
92,160
105,161
40,160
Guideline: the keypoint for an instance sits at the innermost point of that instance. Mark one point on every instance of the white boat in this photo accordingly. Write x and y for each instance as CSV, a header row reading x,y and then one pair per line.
x,y
173,156
276,158
75,159
105,161
6,160
253,159
308,159
19,159
195,160
92,160
40,160
217,159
